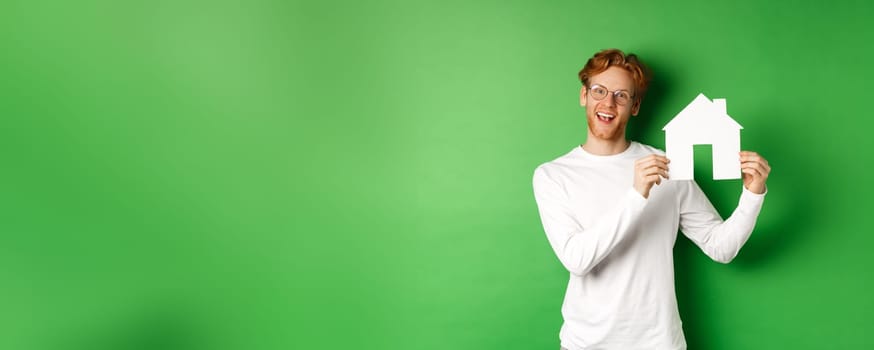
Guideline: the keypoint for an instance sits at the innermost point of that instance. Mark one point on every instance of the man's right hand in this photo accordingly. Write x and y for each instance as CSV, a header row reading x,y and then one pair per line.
x,y
649,171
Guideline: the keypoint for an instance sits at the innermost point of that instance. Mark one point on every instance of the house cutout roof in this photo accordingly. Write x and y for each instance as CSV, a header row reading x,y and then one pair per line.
x,y
702,114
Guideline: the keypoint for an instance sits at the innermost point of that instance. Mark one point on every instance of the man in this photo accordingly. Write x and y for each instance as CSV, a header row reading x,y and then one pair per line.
x,y
612,219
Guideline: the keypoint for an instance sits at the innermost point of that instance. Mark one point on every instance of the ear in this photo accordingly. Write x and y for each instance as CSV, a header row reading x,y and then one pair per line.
x,y
635,107
583,96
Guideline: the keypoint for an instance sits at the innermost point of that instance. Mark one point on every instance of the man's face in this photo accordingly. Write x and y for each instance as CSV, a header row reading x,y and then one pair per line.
x,y
606,117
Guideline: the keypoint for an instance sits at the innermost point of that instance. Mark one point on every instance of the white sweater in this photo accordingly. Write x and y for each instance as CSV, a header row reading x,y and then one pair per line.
x,y
618,246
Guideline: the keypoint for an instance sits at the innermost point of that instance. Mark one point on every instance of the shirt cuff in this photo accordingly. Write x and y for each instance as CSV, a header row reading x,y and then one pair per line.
x,y
751,193
636,197
751,202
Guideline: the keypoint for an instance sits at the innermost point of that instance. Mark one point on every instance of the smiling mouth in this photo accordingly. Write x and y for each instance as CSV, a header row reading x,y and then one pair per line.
x,y
605,117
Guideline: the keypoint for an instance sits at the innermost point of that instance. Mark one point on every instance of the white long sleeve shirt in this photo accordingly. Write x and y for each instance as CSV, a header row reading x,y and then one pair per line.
x,y
618,246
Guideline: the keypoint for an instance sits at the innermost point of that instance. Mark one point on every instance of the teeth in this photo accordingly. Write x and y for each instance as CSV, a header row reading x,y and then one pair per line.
x,y
605,115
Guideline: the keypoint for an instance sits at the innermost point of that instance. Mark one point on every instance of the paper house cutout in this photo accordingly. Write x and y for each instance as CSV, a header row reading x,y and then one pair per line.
x,y
703,122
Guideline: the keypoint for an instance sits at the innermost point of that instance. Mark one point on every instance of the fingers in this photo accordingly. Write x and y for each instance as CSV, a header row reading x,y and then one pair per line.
x,y
747,156
656,174
755,169
653,161
652,168
754,160
755,173
649,170
653,174
653,157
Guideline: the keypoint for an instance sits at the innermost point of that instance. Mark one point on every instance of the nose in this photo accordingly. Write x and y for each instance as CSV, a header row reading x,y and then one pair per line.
x,y
610,100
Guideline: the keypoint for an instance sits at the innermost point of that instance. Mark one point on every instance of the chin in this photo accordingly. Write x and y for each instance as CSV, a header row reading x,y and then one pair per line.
x,y
614,134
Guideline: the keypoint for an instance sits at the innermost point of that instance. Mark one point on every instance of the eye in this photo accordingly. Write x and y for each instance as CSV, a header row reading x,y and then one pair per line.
x,y
597,90
622,95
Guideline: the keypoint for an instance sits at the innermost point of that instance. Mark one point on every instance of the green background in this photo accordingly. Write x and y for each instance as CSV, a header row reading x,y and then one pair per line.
x,y
294,175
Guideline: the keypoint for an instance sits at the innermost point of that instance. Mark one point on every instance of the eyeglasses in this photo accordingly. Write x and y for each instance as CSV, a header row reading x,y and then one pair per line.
x,y
621,97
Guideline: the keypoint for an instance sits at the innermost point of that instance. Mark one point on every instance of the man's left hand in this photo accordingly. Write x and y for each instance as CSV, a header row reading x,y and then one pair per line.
x,y
755,171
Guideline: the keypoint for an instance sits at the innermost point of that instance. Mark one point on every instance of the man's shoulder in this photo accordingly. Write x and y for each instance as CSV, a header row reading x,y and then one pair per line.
x,y
559,164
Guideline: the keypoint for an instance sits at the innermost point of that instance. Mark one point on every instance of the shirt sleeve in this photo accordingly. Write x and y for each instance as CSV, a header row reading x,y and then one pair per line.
x,y
720,240
580,249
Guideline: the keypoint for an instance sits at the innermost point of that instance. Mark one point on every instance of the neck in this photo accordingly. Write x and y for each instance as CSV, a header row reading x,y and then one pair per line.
x,y
602,147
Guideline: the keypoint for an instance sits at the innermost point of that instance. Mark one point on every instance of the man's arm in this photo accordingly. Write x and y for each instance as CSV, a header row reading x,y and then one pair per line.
x,y
580,249
722,240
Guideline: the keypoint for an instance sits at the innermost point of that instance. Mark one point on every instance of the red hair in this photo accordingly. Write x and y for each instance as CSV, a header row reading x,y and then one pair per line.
x,y
605,59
